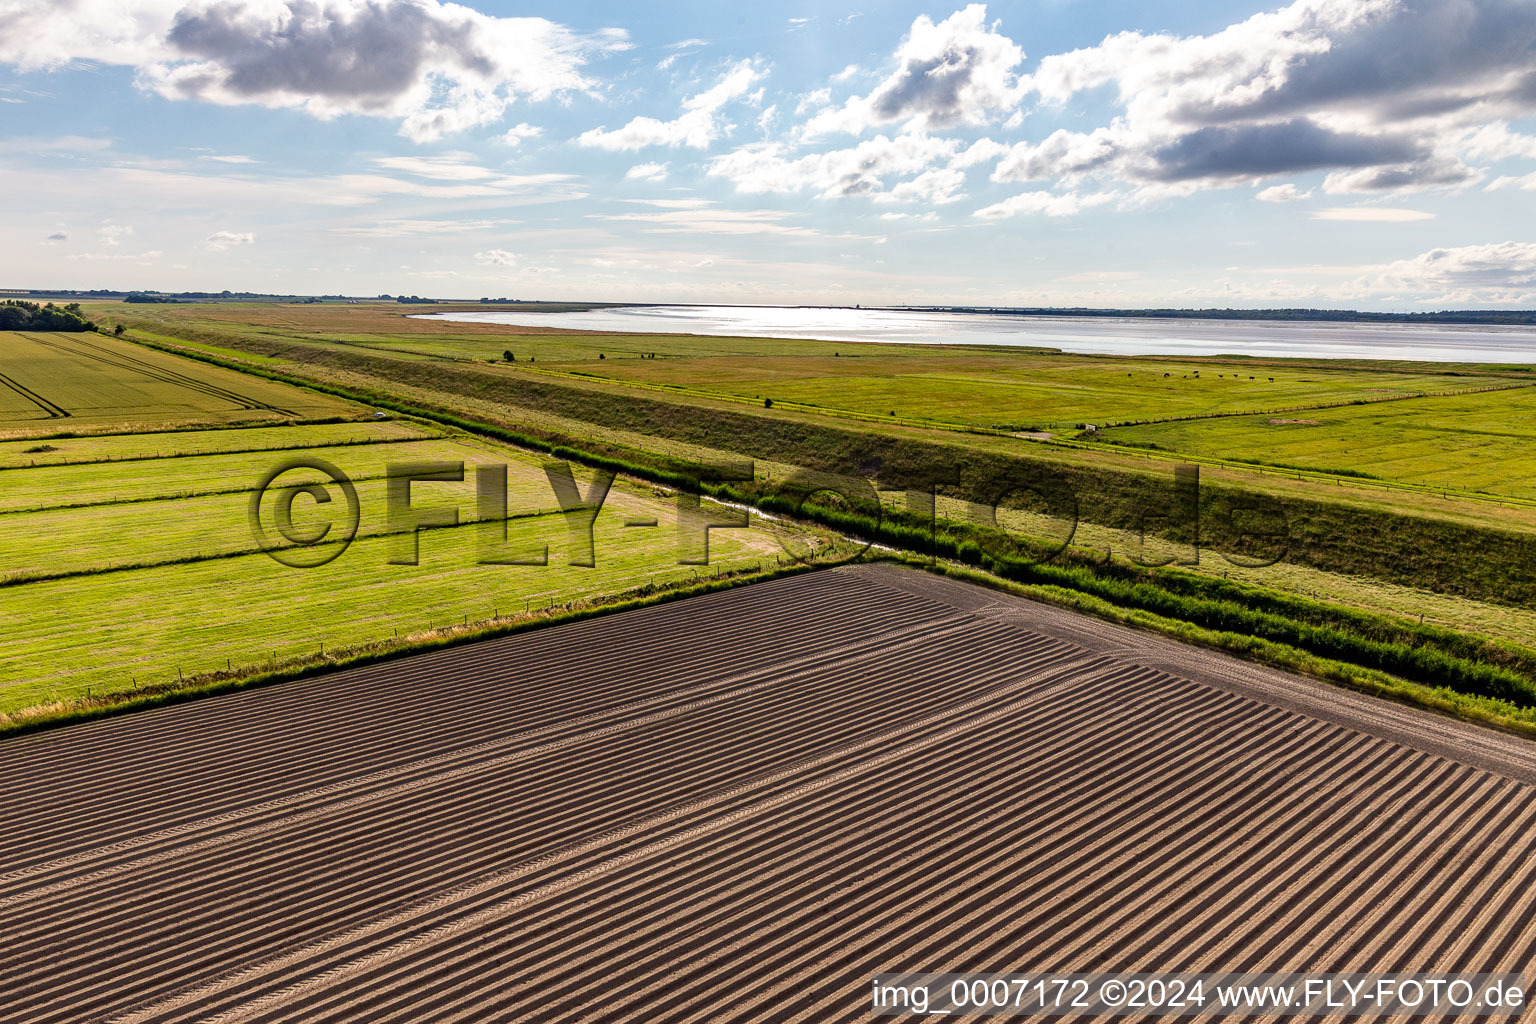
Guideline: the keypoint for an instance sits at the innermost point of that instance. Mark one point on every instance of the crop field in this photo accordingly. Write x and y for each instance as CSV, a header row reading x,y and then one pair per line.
x,y
752,802
1474,442
67,382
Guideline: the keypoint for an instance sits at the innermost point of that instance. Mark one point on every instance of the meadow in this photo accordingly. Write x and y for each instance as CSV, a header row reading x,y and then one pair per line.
x,y
85,636
1484,442
85,448
128,562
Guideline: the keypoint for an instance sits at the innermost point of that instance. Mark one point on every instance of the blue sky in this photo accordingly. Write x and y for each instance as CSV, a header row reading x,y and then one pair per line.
x,y
1365,153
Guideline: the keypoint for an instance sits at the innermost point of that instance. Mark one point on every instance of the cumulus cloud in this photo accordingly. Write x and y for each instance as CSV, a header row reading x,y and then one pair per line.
x,y
957,71
1495,274
113,234
646,172
858,170
515,135
221,240
497,258
1287,193
437,67
1386,95
58,236
698,125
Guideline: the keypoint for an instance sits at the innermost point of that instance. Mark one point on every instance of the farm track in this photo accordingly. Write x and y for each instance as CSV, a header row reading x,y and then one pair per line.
x,y
740,807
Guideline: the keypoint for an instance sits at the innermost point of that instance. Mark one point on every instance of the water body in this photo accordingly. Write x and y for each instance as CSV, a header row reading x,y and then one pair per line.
x,y
1103,335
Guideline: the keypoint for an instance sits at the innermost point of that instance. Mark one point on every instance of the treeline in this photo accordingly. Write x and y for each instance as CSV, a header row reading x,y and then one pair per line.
x,y
21,315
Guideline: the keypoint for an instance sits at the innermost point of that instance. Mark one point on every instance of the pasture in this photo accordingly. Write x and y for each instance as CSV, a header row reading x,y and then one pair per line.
x,y
1014,390
1472,442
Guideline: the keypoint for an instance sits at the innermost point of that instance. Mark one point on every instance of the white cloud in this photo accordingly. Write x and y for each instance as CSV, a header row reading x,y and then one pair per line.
x,y
407,227
1388,95
222,240
436,67
1287,193
448,167
858,170
1373,214
497,258
1050,204
701,216
55,144
515,135
697,127
958,71
1497,273
812,100
113,234
646,172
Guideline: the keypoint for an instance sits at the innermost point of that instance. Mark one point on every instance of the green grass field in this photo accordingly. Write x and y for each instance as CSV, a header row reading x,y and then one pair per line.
x,y
68,637
1477,442
1017,390
127,558
115,533
56,451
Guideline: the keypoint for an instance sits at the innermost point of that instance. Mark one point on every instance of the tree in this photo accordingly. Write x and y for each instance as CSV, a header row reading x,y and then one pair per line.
x,y
20,315
507,356
117,332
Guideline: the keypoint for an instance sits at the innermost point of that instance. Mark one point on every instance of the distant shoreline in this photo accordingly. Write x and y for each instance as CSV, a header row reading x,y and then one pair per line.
x,y
1481,317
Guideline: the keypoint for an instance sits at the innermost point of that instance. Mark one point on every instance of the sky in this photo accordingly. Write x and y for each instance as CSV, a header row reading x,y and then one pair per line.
x,y
1373,154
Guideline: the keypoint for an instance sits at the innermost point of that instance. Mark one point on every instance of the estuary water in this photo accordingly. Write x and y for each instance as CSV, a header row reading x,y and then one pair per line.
x,y
1106,335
